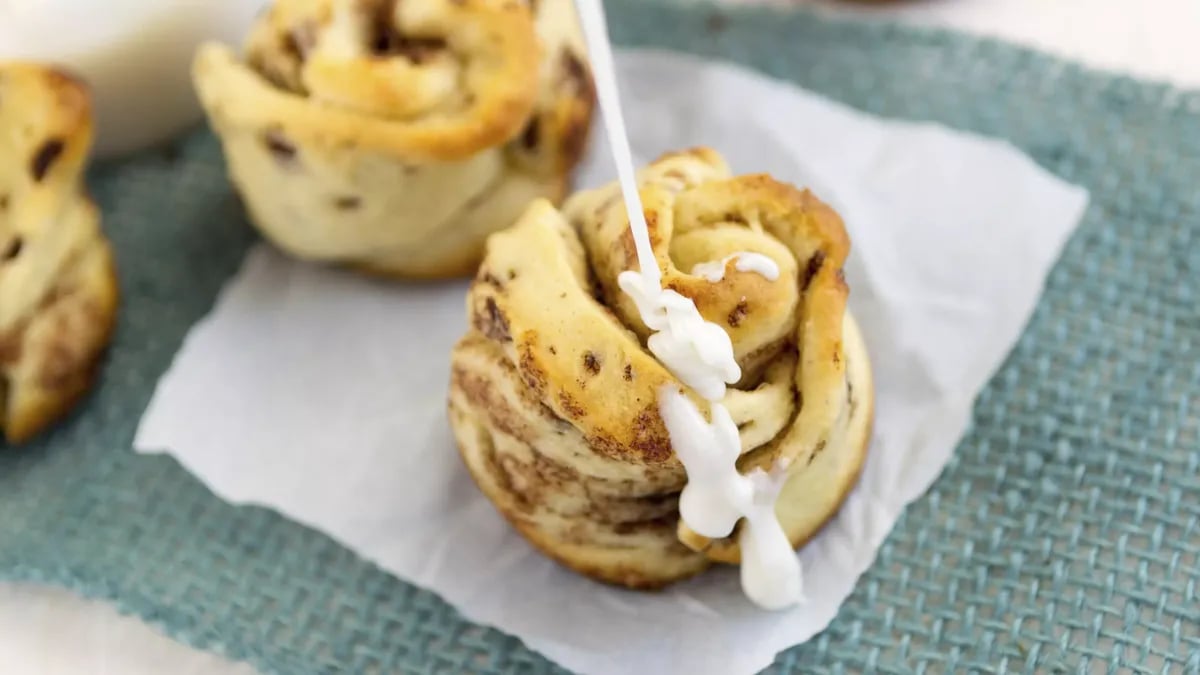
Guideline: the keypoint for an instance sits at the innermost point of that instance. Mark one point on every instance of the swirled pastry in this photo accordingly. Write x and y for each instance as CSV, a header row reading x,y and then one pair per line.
x,y
395,136
553,393
58,290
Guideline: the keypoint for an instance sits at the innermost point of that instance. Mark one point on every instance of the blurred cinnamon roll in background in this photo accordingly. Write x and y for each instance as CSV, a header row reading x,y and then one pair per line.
x,y
58,285
395,136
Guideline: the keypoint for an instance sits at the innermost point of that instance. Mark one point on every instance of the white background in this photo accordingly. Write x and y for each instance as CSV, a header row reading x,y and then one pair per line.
x,y
50,631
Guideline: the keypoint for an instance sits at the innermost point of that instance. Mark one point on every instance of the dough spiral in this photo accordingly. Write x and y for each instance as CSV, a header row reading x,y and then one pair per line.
x,y
394,135
553,394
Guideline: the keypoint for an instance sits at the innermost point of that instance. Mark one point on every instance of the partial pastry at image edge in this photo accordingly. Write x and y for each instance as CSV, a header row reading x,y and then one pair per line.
x,y
58,288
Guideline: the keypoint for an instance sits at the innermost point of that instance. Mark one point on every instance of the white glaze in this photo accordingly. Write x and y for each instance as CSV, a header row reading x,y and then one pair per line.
x,y
744,261
700,354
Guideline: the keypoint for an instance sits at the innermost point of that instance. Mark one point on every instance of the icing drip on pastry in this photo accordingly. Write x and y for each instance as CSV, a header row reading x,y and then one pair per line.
x,y
595,31
717,496
744,261
700,354
696,351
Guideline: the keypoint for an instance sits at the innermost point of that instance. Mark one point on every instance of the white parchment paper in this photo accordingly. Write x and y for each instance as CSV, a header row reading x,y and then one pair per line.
x,y
322,395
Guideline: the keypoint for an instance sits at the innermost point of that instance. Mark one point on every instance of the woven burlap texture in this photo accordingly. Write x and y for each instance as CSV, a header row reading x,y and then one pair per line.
x,y
1064,536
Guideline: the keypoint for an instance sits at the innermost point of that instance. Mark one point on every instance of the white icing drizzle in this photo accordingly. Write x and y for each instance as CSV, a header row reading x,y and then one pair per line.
x,y
694,350
700,354
717,496
744,261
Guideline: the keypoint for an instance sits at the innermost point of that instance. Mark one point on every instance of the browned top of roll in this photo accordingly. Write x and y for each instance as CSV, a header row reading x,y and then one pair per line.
x,y
422,79
548,290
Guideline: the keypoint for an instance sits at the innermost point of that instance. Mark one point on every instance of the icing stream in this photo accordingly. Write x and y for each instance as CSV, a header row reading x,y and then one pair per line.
x,y
700,354
717,496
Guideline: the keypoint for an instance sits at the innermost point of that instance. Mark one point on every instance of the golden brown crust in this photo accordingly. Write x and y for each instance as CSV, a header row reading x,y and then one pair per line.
x,y
380,96
554,396
58,288
392,136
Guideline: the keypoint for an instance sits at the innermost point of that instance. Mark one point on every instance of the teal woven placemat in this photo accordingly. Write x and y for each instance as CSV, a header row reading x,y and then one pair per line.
x,y
1063,537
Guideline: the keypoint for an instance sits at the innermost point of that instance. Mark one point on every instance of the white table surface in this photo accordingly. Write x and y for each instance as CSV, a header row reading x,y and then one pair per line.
x,y
47,631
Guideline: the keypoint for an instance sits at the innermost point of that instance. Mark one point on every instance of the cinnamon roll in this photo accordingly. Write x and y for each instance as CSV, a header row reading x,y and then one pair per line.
x,y
395,136
58,289
553,396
